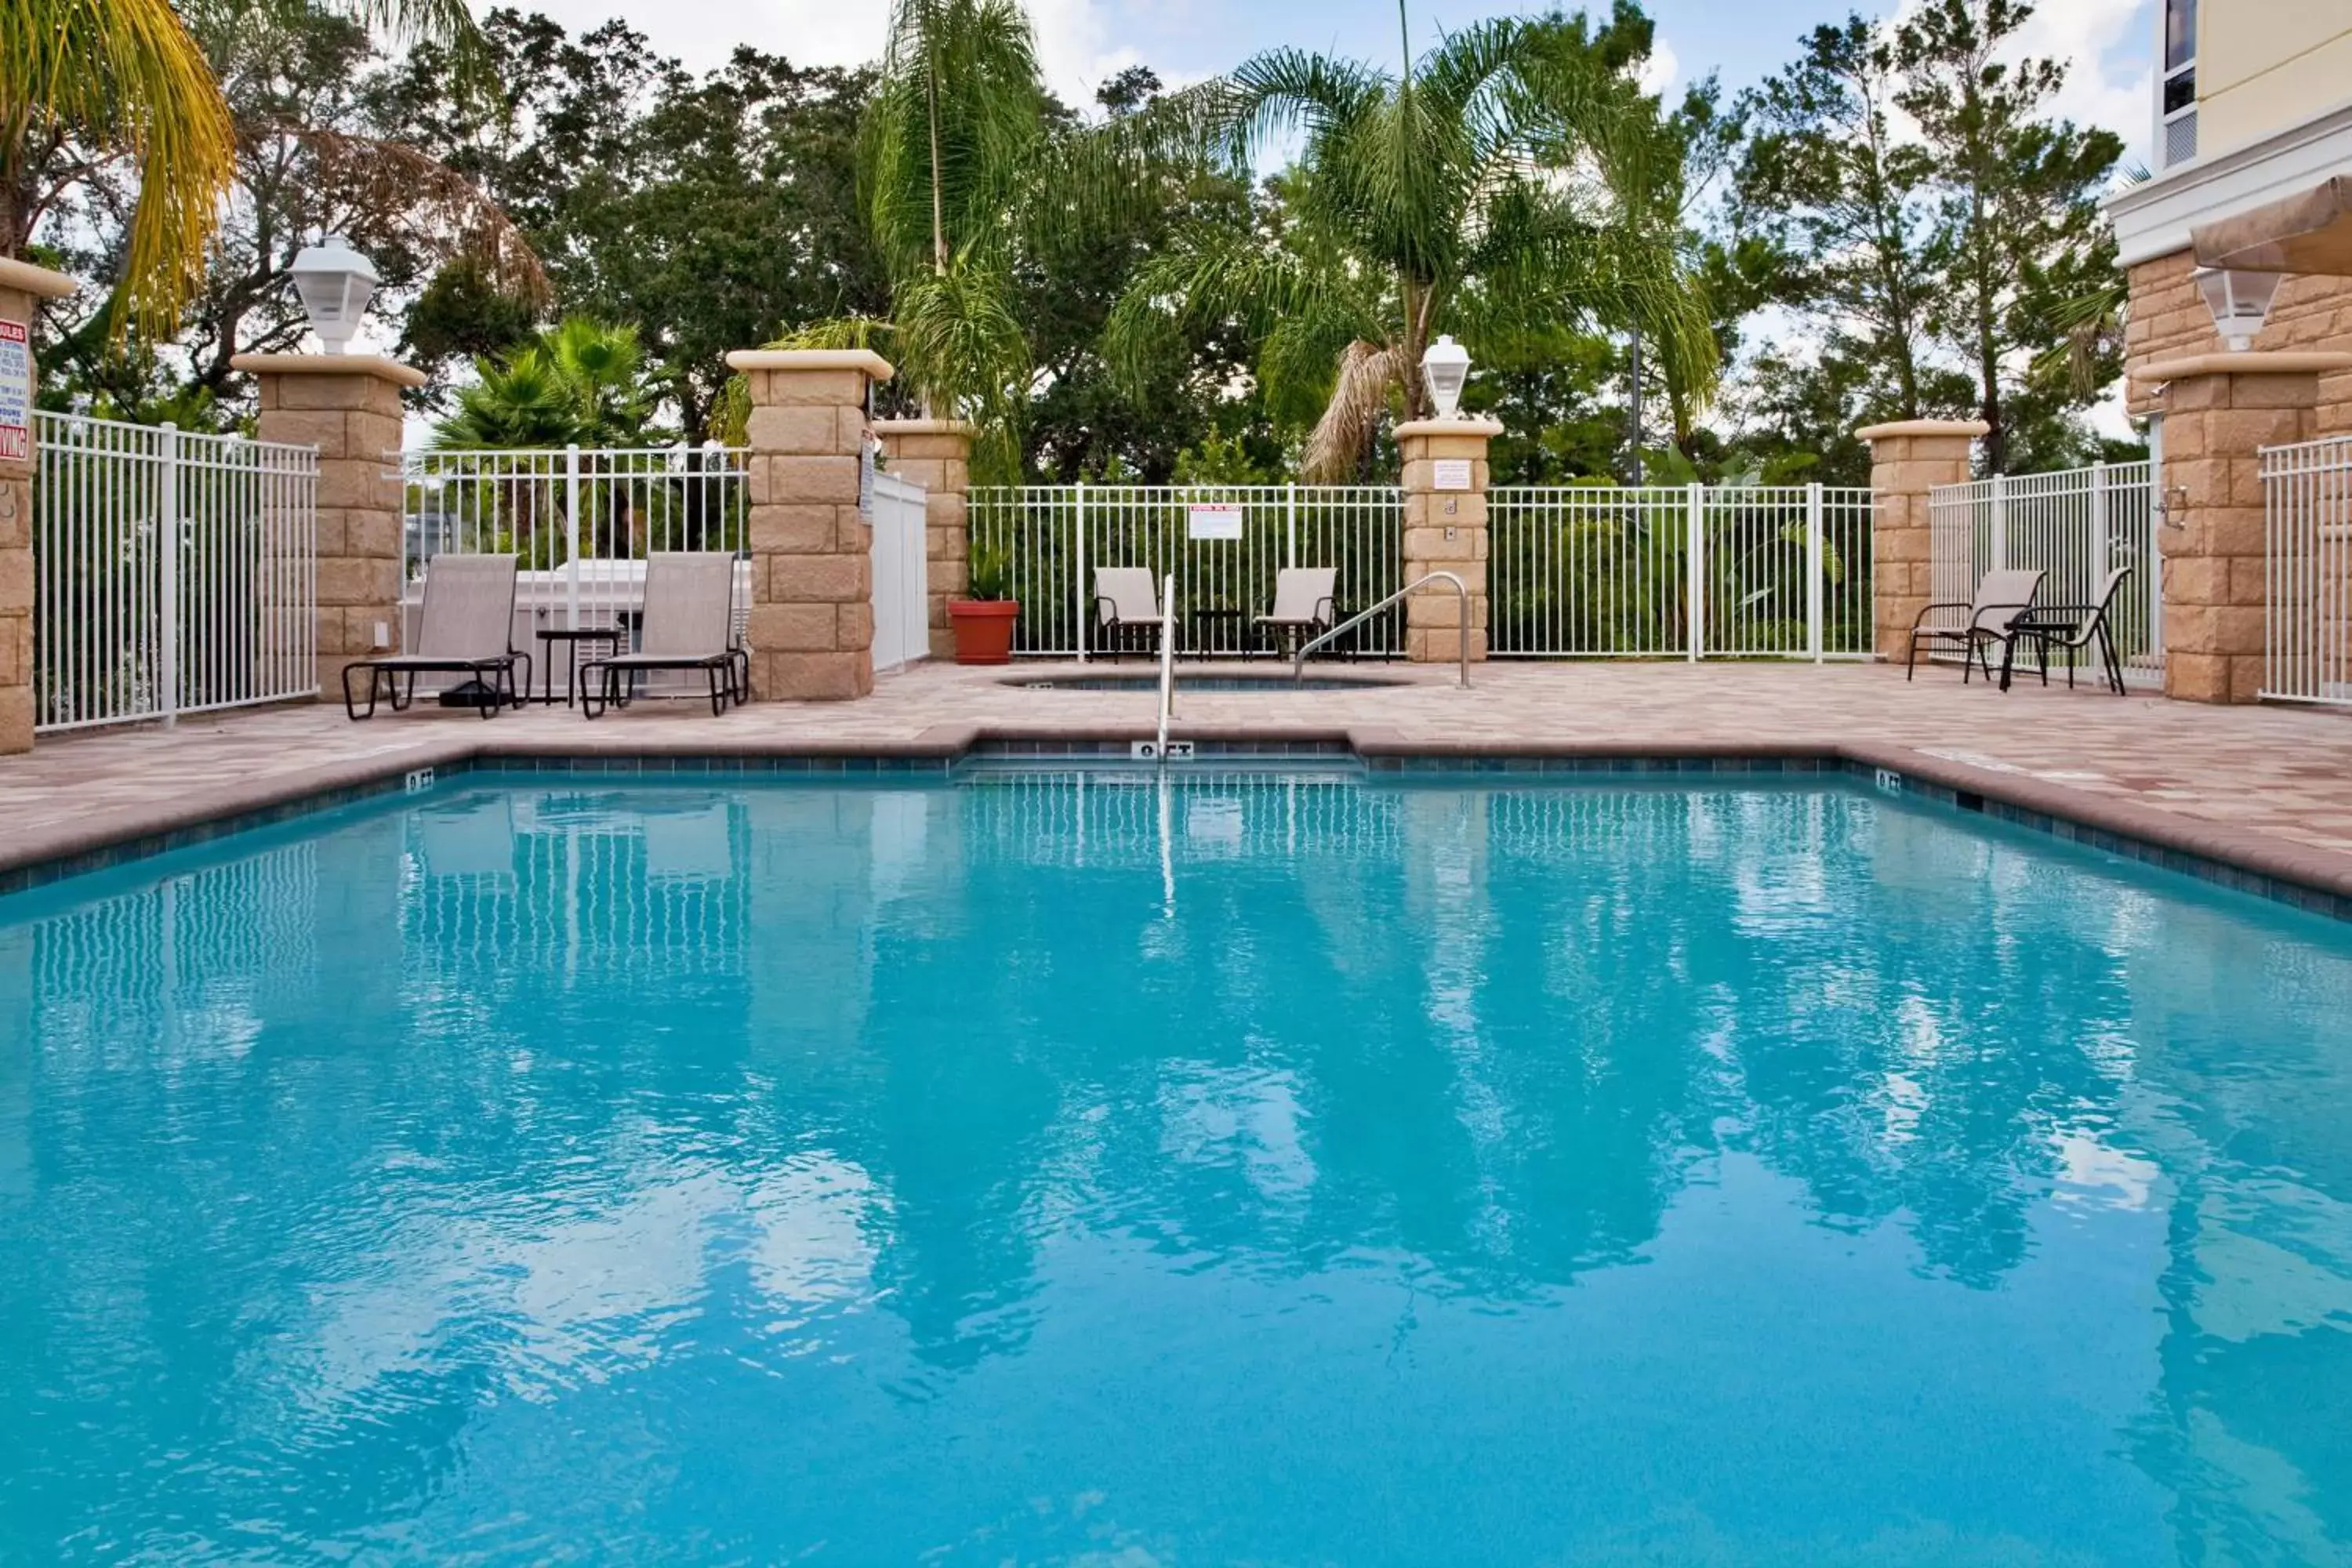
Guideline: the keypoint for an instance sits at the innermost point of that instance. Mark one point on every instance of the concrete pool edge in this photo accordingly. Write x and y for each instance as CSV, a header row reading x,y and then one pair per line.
x,y
2277,870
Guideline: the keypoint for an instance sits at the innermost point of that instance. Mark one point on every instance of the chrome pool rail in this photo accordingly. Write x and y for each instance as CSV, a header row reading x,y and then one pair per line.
x,y
1167,665
1298,662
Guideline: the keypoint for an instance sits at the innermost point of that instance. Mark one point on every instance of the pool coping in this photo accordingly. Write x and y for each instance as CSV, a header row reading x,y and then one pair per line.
x,y
2310,879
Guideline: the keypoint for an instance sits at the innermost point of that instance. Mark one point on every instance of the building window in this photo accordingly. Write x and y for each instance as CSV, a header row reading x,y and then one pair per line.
x,y
2177,85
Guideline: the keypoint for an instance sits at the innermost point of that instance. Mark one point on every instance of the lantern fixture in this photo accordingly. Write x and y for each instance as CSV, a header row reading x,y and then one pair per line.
x,y
336,283
1444,367
2239,301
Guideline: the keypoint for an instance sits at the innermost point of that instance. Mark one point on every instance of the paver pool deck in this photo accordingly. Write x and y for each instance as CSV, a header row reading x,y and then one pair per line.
x,y
2268,789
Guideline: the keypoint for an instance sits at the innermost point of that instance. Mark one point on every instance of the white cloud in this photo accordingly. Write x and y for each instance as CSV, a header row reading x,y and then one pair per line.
x,y
1074,43
1661,69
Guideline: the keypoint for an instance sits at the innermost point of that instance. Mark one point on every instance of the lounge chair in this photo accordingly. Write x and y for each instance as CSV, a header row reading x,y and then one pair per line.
x,y
466,627
2001,597
1304,606
690,625
1126,610
2073,627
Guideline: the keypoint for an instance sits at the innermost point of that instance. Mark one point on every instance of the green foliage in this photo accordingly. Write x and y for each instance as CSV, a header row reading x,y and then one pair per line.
x,y
583,382
1508,182
990,568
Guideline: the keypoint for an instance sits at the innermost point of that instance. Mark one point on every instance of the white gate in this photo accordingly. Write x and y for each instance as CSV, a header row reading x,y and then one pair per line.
x,y
1224,543
173,572
2307,614
2076,525
902,631
1678,572
579,521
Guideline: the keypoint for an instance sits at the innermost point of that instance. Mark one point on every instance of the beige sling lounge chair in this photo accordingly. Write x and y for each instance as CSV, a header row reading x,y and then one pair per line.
x,y
690,625
467,627
2001,597
1304,606
1126,610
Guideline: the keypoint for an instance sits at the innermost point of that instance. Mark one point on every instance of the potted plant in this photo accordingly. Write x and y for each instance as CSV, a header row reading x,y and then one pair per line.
x,y
983,621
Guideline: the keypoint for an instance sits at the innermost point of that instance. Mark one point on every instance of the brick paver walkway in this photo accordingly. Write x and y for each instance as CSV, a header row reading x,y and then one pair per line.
x,y
2225,778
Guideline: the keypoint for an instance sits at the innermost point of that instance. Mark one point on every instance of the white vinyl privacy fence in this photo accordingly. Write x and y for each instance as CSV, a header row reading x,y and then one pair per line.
x,y
174,573
1224,543
1690,571
2307,614
580,521
902,619
2075,526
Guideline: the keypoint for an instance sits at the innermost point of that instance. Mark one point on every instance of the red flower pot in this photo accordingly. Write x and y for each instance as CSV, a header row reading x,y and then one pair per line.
x,y
984,629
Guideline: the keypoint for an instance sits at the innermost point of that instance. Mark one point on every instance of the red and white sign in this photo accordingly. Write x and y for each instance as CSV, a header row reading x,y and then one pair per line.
x,y
1206,521
16,393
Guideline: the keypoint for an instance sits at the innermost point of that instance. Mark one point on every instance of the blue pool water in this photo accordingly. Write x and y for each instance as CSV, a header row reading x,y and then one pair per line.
x,y
1281,1170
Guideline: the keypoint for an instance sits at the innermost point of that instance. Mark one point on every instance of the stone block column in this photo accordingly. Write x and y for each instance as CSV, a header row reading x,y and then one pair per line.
x,y
22,288
347,405
937,455
811,631
1446,530
2219,410
1908,458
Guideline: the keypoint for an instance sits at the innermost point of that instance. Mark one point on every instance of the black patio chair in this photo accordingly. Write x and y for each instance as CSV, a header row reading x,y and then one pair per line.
x,y
2073,627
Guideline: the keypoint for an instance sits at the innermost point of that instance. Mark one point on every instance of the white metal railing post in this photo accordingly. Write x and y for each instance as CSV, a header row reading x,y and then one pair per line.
x,y
572,537
1290,524
2102,547
1695,564
167,562
1167,663
1813,570
2000,542
1081,600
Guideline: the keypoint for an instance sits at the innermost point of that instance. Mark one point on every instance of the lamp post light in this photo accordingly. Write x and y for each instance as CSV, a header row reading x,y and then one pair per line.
x,y
1444,367
336,283
2239,301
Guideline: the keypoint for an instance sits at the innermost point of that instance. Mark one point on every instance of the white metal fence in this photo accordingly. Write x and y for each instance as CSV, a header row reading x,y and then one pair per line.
x,y
579,520
1691,571
1222,542
2307,497
2076,525
174,573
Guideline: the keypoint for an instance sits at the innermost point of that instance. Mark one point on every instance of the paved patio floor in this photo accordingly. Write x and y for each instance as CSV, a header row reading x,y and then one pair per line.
x,y
2270,786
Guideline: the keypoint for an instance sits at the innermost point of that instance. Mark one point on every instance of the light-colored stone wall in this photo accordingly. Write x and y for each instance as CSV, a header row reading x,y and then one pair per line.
x,y
937,455
348,407
2264,65
2169,319
1907,460
1444,531
812,624
22,289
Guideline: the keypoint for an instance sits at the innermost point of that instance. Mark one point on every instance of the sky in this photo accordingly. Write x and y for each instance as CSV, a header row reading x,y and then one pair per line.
x,y
2107,43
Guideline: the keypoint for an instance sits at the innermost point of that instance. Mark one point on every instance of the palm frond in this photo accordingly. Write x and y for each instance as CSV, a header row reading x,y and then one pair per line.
x,y
1359,400
127,77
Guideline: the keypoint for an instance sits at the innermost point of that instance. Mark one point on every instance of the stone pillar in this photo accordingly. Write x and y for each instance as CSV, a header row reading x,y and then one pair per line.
x,y
347,405
937,455
2219,410
1446,530
22,288
1908,458
811,550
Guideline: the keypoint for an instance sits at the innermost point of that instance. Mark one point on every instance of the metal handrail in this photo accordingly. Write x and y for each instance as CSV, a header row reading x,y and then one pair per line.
x,y
1167,663
1298,664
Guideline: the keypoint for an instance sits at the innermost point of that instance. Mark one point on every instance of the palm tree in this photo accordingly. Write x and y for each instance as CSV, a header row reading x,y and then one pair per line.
x,y
582,382
1488,191
128,79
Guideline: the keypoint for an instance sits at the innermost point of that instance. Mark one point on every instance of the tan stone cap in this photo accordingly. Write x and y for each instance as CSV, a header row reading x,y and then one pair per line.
x,y
925,427
866,360
35,280
376,365
1413,428
2294,362
1898,428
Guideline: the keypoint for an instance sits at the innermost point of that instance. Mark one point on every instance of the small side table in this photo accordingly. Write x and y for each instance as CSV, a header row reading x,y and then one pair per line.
x,y
1206,625
615,638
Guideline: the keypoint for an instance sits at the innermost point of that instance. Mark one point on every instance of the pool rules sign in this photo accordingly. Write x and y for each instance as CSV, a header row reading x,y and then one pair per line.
x,y
15,393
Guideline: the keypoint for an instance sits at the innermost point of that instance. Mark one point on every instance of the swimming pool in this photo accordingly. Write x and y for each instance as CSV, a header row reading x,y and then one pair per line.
x,y
1286,1167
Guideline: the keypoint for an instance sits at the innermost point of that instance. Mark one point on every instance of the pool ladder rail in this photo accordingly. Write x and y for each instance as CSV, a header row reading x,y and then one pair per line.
x,y
1299,661
1167,665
